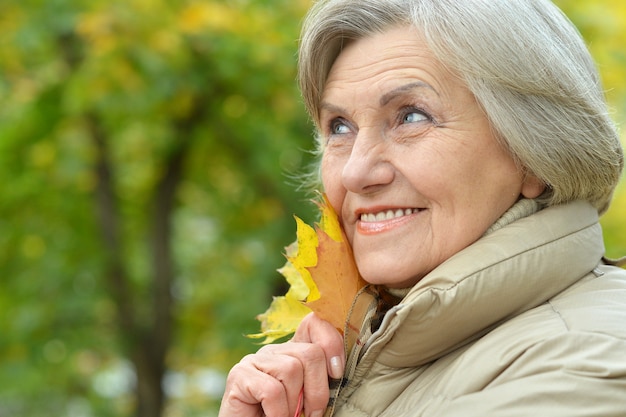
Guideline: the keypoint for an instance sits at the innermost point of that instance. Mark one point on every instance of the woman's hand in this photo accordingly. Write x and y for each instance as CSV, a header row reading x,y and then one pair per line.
x,y
269,382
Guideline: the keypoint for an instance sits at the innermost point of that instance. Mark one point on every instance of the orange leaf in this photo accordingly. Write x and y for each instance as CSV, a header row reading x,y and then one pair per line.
x,y
320,269
335,274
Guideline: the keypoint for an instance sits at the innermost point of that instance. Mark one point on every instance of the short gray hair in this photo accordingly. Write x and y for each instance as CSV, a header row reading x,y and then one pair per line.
x,y
523,60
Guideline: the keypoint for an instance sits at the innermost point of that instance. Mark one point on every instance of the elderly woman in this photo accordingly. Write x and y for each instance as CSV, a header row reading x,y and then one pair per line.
x,y
467,148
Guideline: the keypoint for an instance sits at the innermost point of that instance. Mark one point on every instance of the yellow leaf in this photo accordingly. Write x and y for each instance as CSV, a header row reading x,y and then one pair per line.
x,y
322,275
297,287
329,222
281,319
306,256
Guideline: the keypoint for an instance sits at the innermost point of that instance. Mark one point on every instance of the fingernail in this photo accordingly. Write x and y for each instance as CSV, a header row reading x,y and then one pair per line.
x,y
318,413
336,367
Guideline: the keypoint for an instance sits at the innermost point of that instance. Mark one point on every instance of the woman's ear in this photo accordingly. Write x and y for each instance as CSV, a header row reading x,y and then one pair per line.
x,y
532,187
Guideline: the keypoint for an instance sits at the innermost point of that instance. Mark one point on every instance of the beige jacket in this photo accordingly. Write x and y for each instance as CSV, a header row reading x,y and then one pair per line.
x,y
525,322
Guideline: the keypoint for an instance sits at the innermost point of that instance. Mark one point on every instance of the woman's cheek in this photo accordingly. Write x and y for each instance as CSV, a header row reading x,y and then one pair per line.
x,y
331,180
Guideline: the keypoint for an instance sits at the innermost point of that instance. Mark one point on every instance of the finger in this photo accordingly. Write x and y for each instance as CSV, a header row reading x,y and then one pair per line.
x,y
251,393
285,366
314,370
314,330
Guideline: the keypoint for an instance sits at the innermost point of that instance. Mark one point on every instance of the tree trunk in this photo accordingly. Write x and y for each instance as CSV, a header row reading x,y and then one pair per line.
x,y
151,360
145,341
150,398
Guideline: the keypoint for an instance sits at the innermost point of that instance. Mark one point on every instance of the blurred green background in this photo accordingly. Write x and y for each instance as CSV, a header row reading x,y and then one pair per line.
x,y
150,157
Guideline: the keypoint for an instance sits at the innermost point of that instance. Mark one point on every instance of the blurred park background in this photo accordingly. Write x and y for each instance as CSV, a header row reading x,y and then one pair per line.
x,y
150,152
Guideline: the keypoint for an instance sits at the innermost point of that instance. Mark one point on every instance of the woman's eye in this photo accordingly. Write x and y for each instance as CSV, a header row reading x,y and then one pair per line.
x,y
339,127
414,116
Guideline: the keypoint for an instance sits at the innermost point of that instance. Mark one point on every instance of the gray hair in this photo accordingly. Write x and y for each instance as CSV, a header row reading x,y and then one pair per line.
x,y
523,60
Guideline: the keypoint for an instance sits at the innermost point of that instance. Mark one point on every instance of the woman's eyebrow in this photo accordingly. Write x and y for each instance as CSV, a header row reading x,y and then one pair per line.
x,y
331,108
387,97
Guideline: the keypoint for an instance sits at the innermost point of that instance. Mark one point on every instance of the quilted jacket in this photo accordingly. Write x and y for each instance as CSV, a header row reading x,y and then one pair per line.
x,y
527,321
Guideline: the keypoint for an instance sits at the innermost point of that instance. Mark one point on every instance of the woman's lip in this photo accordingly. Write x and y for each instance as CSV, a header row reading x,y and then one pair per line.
x,y
367,227
384,215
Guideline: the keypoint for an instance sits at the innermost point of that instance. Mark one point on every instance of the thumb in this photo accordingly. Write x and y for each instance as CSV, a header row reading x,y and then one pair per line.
x,y
314,330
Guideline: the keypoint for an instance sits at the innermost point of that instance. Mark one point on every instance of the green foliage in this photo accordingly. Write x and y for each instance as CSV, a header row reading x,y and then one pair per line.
x,y
148,76
152,78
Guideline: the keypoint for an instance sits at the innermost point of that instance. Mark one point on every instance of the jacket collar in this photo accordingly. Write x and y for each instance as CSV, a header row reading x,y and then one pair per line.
x,y
509,270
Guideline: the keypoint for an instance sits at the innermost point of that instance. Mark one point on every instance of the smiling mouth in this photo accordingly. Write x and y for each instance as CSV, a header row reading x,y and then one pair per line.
x,y
386,215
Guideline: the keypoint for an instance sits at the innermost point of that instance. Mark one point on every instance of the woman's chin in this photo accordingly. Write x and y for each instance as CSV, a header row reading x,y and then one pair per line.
x,y
387,277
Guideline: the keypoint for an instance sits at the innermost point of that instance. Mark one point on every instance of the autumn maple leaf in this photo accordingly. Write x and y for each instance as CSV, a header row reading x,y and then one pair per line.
x,y
322,276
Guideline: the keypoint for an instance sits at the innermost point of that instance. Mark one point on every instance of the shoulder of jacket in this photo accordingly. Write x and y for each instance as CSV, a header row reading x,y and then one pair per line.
x,y
595,304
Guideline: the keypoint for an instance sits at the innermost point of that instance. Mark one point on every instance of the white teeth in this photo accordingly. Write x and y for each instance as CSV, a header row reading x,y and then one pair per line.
x,y
386,215
381,216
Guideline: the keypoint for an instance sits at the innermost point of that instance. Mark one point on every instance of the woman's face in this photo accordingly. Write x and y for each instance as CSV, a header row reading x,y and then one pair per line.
x,y
410,162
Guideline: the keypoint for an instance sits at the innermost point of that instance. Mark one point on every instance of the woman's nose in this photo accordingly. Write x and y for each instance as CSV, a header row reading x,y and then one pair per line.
x,y
368,167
